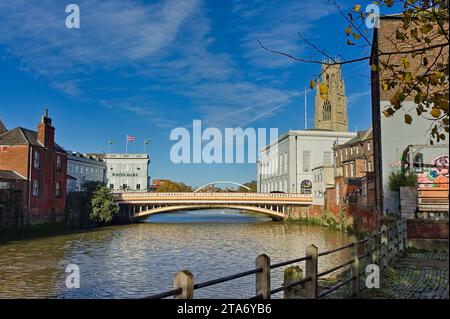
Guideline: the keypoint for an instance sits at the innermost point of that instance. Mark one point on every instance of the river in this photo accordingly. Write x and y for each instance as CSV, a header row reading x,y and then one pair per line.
x,y
137,260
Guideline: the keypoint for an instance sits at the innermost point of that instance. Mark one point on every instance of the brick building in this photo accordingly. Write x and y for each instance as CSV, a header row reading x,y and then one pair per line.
x,y
35,157
355,157
391,136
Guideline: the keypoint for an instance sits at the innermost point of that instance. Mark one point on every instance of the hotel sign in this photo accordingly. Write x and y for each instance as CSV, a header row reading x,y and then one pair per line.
x,y
125,175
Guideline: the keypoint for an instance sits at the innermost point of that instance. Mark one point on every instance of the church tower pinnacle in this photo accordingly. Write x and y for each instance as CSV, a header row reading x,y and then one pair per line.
x,y
331,108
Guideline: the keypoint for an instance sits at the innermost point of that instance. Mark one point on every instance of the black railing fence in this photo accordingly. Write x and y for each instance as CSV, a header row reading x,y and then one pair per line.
x,y
380,248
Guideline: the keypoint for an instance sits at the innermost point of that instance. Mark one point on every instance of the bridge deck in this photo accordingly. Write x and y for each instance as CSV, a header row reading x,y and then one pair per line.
x,y
257,198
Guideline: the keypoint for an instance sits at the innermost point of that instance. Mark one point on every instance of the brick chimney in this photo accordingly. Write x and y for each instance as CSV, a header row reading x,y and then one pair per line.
x,y
46,132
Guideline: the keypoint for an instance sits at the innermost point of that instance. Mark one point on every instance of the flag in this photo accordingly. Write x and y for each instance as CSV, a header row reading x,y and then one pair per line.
x,y
131,138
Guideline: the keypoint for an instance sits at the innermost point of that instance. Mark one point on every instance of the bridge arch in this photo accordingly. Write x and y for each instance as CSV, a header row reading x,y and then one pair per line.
x,y
220,182
275,215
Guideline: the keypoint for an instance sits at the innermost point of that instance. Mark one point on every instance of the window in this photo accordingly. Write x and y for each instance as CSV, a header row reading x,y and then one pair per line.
x,y
352,169
306,187
306,157
369,166
280,165
346,153
5,185
285,163
138,167
368,146
36,187
58,189
111,186
138,186
418,163
37,160
58,162
327,158
71,168
77,168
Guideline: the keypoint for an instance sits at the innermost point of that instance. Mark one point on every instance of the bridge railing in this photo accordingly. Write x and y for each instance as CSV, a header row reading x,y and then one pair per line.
x,y
201,195
380,248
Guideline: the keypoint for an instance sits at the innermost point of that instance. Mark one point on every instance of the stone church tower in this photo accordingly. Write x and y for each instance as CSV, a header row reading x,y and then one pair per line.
x,y
331,113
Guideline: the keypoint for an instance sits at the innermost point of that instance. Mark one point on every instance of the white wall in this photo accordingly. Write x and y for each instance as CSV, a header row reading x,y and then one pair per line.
x,y
395,137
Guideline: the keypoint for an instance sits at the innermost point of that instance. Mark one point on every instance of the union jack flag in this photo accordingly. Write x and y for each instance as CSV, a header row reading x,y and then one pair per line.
x,y
131,138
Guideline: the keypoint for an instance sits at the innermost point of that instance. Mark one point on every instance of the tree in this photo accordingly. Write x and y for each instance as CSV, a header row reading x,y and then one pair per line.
x,y
103,206
400,179
251,185
416,68
170,187
91,186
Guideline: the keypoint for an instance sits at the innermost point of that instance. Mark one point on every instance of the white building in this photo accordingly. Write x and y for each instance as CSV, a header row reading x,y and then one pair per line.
x,y
286,164
323,178
83,168
127,171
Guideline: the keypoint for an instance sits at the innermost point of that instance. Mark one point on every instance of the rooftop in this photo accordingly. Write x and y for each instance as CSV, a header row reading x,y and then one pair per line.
x,y
23,136
10,175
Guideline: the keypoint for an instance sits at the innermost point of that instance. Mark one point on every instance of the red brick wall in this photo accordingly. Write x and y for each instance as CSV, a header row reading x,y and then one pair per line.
x,y
422,228
15,158
47,206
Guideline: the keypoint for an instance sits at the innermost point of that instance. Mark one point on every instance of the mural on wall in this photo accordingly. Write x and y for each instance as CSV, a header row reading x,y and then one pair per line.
x,y
436,173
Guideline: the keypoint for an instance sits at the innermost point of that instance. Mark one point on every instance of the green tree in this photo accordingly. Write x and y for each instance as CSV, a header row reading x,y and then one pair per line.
x,y
91,186
415,68
399,179
103,206
251,185
172,187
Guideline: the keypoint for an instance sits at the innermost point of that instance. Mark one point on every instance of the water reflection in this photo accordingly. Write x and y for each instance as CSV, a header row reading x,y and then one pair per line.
x,y
140,259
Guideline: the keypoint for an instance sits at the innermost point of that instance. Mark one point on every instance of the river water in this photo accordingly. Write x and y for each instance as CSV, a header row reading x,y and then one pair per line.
x,y
138,260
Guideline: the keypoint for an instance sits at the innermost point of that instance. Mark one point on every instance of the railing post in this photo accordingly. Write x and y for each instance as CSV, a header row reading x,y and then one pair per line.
x,y
401,244
405,234
375,252
311,271
263,277
384,248
354,272
185,280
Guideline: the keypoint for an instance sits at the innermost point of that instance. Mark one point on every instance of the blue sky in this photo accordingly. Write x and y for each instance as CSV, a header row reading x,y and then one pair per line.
x,y
146,67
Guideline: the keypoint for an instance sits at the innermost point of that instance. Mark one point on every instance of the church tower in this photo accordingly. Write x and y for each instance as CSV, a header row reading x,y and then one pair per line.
x,y
331,111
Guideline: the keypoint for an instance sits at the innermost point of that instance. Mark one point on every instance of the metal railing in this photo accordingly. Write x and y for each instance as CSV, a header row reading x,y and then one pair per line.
x,y
380,248
207,195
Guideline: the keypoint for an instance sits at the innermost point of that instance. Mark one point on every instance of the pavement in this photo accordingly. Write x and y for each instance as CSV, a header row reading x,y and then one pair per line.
x,y
420,275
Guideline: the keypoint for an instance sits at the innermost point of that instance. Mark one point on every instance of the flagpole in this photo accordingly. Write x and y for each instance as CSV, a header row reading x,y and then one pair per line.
x,y
306,113
109,147
126,146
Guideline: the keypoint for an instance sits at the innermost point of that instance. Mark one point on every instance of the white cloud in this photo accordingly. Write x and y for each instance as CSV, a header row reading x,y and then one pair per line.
x,y
277,24
165,47
354,97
